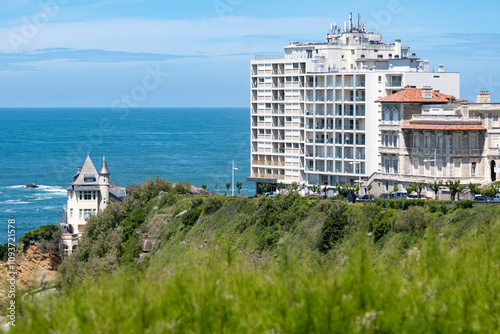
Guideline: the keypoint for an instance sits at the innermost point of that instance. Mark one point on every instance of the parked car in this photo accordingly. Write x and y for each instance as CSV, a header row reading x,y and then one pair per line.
x,y
496,198
387,196
399,194
482,198
412,197
367,197
269,194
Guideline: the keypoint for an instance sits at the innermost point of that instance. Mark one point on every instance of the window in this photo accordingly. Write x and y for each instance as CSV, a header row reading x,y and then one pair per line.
x,y
70,213
396,116
81,213
395,166
395,141
88,212
427,141
268,131
473,142
387,165
87,195
473,169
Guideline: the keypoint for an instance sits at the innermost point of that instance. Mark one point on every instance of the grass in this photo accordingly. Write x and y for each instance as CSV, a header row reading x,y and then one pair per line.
x,y
259,266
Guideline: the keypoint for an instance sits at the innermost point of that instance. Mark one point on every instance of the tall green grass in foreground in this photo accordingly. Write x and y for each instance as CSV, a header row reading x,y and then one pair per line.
x,y
448,281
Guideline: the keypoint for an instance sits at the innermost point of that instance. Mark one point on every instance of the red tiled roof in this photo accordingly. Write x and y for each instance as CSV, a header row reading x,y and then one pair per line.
x,y
444,127
414,95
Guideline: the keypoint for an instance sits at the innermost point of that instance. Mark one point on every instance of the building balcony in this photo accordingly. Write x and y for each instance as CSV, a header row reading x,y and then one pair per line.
x,y
394,83
267,163
388,150
269,176
427,152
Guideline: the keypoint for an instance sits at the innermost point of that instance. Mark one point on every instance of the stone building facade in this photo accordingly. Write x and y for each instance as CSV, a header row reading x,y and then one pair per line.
x,y
429,136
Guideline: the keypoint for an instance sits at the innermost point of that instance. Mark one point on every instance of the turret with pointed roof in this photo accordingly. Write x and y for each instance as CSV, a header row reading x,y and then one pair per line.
x,y
104,168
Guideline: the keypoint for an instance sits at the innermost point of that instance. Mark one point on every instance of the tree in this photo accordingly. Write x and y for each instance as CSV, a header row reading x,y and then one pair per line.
x,y
216,186
454,187
459,190
396,188
416,186
204,186
474,188
228,185
369,188
280,186
239,185
490,191
315,188
294,186
349,189
325,190
435,188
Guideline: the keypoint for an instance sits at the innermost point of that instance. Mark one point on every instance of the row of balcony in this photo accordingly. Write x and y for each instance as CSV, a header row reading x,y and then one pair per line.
x,y
426,152
331,169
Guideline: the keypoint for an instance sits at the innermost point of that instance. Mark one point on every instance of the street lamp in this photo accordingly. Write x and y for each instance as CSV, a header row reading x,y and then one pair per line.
x,y
232,184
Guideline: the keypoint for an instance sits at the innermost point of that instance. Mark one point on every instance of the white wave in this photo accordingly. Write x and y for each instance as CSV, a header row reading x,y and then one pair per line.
x,y
9,211
52,189
52,207
16,187
14,202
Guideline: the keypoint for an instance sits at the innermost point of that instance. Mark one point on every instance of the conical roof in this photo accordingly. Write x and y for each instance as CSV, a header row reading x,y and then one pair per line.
x,y
88,171
104,168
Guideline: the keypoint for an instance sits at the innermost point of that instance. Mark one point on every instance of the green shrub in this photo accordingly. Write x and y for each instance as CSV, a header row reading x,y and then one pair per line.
x,y
464,204
46,232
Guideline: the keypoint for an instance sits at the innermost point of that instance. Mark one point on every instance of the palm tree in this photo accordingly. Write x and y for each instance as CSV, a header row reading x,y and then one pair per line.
x,y
204,186
228,185
239,185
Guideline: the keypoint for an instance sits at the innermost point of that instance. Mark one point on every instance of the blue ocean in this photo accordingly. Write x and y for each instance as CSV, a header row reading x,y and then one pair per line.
x,y
45,147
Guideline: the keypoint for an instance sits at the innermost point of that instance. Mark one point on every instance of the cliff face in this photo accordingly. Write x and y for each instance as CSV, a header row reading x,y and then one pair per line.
x,y
34,268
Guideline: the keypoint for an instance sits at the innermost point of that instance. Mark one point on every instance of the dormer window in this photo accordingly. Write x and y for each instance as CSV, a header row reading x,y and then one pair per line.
x,y
89,178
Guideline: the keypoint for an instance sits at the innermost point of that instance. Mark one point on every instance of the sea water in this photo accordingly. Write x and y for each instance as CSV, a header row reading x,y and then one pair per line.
x,y
45,147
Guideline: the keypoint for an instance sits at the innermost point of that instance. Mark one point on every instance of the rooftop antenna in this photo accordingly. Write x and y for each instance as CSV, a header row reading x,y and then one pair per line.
x,y
350,22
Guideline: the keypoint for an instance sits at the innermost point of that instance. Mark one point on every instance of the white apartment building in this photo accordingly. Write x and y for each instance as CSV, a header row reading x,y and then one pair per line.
x,y
314,118
89,193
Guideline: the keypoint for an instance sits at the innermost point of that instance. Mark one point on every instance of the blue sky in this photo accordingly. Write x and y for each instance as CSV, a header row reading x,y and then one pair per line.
x,y
68,53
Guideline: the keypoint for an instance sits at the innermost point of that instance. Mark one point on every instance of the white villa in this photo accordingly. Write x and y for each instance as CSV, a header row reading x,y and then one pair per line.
x,y
88,194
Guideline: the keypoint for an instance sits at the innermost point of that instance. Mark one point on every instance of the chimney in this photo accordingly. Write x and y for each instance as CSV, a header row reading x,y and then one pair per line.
x,y
78,170
427,93
441,68
483,97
